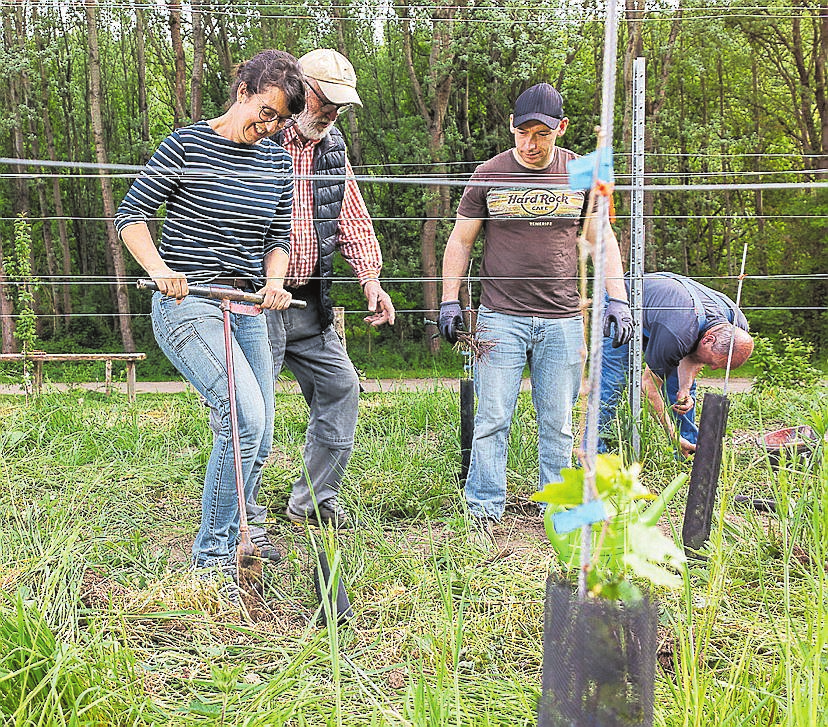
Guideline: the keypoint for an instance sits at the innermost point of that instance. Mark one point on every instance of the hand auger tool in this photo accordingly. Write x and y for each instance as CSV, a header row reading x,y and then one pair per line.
x,y
219,292
248,556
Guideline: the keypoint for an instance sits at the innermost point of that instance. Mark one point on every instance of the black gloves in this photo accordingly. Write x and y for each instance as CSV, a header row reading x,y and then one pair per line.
x,y
451,319
617,312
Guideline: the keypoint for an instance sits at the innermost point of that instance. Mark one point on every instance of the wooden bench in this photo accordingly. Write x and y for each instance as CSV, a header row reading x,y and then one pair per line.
x,y
38,358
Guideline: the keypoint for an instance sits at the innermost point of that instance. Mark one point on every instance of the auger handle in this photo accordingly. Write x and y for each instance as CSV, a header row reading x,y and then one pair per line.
x,y
217,292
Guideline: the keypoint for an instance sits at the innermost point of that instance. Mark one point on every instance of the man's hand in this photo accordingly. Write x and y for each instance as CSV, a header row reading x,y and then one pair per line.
x,y
687,448
275,296
618,312
451,320
684,403
379,303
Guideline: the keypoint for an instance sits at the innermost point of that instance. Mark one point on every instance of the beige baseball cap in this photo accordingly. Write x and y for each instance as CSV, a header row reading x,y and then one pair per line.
x,y
334,74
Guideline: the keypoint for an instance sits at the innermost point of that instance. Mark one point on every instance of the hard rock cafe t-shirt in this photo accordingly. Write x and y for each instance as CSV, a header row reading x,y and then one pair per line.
x,y
530,254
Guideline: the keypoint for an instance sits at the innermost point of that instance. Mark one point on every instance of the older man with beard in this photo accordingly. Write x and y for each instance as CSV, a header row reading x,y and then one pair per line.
x,y
329,214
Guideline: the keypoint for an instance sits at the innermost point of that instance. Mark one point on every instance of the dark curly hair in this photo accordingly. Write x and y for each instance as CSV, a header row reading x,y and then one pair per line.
x,y
268,69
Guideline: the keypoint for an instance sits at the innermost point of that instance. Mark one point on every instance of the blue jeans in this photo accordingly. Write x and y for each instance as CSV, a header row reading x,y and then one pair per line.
x,y
552,348
191,334
614,376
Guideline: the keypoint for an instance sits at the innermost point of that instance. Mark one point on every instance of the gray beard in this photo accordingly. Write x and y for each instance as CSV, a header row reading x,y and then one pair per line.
x,y
309,127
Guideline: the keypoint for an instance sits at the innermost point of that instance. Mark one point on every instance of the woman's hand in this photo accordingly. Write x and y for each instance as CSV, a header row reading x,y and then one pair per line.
x,y
275,296
139,242
169,282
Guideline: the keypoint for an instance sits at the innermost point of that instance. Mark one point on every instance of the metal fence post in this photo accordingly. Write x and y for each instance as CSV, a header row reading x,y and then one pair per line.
x,y
637,252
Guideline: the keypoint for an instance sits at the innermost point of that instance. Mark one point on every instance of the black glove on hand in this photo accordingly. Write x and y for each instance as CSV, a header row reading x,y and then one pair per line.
x,y
618,312
451,319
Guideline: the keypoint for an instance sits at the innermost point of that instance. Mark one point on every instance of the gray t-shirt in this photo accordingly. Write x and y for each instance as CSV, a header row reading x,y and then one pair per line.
x,y
670,323
530,255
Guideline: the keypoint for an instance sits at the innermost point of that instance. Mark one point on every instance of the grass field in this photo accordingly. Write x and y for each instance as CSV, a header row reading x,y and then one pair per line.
x,y
100,622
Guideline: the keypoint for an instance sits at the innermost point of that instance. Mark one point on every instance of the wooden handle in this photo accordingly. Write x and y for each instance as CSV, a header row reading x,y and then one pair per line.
x,y
217,292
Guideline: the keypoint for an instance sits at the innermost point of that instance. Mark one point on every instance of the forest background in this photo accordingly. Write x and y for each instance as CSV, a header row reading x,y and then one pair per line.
x,y
737,97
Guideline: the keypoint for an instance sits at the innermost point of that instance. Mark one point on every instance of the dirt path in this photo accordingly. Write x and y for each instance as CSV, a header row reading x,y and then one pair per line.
x,y
368,385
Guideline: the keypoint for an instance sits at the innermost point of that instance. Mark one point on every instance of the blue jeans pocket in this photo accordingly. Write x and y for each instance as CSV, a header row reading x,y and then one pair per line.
x,y
191,334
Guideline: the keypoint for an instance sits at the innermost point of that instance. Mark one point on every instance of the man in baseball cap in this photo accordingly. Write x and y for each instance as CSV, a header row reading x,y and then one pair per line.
x,y
529,302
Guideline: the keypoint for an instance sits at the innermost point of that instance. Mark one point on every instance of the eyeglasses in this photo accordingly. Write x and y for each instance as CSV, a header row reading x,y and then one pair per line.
x,y
341,108
269,115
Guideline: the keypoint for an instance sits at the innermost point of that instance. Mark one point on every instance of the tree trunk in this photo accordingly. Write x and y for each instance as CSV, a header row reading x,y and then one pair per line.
x,y
46,224
806,83
222,44
197,77
21,192
25,99
354,140
633,50
758,198
65,72
48,242
821,92
65,307
115,248
16,100
141,62
658,95
433,106
180,90
463,123
6,310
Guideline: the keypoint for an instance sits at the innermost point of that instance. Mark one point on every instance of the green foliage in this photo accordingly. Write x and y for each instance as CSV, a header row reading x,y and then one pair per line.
x,y
725,109
783,364
19,271
629,541
45,680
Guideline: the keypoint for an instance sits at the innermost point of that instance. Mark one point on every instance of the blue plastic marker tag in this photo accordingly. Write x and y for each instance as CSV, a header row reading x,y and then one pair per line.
x,y
590,512
582,170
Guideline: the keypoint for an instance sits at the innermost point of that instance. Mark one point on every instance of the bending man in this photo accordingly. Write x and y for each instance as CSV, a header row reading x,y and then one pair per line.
x,y
687,326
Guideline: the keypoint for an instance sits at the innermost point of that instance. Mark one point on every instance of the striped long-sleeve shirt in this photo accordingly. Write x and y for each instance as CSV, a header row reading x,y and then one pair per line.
x,y
228,204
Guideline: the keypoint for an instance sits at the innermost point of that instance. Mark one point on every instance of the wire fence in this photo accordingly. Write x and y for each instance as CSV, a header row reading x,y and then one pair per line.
x,y
45,281
573,13
129,171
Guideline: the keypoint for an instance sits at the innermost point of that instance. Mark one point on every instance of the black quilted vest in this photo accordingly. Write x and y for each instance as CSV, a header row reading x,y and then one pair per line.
x,y
328,192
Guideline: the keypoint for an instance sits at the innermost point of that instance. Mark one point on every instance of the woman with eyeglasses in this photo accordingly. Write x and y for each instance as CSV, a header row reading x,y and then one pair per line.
x,y
228,191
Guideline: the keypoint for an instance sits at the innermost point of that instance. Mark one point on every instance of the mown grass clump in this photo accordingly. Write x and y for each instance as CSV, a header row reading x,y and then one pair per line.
x,y
101,623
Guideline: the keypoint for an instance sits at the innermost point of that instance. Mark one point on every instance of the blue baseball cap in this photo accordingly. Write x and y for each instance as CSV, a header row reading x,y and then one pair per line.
x,y
541,102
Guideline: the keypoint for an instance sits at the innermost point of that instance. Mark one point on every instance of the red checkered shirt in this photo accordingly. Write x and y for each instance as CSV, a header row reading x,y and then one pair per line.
x,y
357,241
